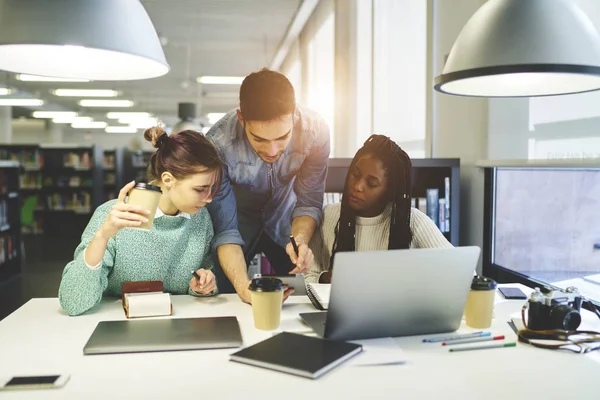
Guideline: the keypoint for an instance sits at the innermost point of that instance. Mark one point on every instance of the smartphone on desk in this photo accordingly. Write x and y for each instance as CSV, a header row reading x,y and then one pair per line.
x,y
33,382
511,293
295,281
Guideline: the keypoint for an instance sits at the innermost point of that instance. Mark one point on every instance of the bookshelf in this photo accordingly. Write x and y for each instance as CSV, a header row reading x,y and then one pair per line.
x,y
135,165
10,220
30,184
441,175
112,166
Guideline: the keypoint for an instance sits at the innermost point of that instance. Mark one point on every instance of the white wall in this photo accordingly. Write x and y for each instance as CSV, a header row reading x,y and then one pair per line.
x,y
459,124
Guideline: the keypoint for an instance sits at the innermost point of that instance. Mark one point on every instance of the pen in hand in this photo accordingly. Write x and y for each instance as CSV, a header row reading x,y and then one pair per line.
x,y
196,275
294,244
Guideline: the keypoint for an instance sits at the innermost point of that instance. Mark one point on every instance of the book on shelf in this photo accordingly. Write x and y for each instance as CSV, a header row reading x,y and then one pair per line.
x,y
331,198
447,204
29,159
433,205
77,160
78,202
108,161
422,204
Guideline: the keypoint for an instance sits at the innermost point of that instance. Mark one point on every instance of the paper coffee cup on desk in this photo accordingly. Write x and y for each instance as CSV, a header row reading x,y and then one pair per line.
x,y
479,309
147,196
266,296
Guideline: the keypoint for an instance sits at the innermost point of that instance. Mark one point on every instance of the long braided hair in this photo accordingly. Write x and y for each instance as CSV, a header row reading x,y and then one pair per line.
x,y
398,169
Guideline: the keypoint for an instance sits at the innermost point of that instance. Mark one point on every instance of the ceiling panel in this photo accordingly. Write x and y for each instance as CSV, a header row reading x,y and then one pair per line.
x,y
200,37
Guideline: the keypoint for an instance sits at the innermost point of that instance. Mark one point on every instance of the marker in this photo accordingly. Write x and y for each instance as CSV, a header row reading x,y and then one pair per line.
x,y
473,340
457,337
294,244
490,346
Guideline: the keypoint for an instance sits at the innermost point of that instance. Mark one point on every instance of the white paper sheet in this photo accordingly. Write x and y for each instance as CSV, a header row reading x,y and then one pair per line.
x,y
384,351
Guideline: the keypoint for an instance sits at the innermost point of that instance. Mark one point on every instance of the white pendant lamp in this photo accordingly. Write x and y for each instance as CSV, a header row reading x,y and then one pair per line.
x,y
516,48
81,39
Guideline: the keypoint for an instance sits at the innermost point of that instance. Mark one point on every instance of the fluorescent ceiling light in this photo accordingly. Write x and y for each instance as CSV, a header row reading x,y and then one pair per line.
x,y
5,91
21,102
89,125
220,80
142,123
120,129
214,117
39,78
106,103
54,114
70,120
86,93
100,44
127,115
516,48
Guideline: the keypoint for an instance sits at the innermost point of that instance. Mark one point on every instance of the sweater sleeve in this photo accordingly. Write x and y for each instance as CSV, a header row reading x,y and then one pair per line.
x,y
208,262
318,244
81,287
425,233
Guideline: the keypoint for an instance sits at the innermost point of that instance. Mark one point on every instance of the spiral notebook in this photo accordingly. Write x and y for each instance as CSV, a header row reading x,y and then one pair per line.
x,y
318,293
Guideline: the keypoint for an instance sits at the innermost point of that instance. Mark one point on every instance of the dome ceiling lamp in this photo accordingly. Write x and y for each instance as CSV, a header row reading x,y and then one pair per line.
x,y
80,39
523,48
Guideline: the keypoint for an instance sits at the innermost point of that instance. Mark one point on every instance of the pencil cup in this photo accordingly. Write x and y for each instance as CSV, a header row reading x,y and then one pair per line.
x,y
146,196
266,295
480,303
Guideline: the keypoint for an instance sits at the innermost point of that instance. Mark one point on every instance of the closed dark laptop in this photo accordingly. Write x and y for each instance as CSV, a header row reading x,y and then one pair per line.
x,y
168,334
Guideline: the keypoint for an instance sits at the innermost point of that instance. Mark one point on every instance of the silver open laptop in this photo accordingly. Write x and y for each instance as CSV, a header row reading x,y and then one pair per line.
x,y
168,334
396,293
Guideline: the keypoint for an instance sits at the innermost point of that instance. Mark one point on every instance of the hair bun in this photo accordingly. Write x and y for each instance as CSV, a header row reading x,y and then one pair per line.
x,y
155,136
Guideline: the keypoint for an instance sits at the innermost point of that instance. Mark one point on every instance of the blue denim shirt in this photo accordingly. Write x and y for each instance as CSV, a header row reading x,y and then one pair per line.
x,y
272,194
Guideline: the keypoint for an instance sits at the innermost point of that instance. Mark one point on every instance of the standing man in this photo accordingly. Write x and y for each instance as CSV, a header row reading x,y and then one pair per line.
x,y
275,162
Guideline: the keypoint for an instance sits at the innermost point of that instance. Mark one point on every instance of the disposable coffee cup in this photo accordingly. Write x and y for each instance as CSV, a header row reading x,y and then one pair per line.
x,y
266,295
147,196
480,303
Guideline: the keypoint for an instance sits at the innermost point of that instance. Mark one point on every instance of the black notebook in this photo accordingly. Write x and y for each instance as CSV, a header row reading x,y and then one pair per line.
x,y
296,354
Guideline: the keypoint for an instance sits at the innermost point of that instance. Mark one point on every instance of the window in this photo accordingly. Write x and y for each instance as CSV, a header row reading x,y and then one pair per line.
x,y
544,225
320,63
400,81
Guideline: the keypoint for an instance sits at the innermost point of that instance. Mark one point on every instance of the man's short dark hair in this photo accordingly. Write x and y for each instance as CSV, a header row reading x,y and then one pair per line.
x,y
266,95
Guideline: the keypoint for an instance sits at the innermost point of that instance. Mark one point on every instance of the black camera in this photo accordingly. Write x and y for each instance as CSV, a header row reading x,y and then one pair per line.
x,y
554,309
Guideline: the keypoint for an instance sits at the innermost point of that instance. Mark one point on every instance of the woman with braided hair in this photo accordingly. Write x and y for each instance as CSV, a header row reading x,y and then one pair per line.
x,y
187,169
375,212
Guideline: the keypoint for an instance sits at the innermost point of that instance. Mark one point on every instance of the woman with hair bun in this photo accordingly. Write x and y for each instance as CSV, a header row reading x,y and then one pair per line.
x,y
188,170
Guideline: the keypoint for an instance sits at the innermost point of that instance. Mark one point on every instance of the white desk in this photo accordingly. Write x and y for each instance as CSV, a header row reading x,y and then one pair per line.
x,y
39,338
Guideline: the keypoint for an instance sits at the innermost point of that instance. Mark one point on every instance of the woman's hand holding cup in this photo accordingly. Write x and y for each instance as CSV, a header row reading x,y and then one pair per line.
x,y
123,215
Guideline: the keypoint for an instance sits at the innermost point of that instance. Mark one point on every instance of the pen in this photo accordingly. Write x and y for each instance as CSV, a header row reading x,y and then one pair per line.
x,y
489,346
294,244
196,276
473,340
457,337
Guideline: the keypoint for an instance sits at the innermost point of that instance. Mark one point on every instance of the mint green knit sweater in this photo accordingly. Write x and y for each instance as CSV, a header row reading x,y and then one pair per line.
x,y
169,252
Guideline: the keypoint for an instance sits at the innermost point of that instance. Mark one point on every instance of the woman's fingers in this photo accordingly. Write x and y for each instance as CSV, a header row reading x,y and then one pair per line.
x,y
123,192
128,216
134,208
